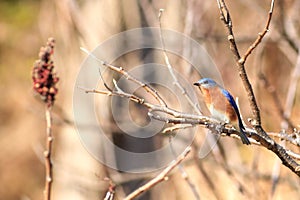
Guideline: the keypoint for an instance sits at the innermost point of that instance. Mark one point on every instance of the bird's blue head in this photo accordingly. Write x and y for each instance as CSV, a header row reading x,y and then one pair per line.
x,y
206,83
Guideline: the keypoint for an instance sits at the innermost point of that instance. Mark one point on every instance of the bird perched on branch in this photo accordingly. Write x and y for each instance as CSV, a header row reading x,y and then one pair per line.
x,y
222,105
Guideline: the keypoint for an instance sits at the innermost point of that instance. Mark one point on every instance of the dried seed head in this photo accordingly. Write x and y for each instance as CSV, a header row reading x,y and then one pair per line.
x,y
43,76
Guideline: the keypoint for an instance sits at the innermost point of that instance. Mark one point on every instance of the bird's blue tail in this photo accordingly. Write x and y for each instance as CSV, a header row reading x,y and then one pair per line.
x,y
243,136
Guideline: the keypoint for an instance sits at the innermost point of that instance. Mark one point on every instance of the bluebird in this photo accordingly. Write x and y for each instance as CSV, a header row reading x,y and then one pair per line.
x,y
222,105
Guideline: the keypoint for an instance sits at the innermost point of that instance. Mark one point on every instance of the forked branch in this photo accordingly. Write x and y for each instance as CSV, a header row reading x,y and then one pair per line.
x,y
263,138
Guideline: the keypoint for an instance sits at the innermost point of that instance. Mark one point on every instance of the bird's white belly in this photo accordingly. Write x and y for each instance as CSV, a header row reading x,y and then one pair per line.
x,y
218,115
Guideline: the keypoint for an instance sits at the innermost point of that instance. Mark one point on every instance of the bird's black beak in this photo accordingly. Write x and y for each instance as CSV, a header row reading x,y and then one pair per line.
x,y
197,84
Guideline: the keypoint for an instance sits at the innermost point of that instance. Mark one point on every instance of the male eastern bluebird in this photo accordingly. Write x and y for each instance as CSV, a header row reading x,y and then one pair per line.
x,y
222,105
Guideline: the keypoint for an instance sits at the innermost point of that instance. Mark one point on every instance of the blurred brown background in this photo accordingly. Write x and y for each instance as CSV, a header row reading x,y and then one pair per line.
x,y
246,172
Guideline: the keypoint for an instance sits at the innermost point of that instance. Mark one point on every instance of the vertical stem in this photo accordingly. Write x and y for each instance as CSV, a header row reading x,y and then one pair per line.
x,y
47,154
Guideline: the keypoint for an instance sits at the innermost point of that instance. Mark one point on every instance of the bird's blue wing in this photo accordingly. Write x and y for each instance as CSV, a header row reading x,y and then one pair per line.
x,y
232,102
228,96
230,99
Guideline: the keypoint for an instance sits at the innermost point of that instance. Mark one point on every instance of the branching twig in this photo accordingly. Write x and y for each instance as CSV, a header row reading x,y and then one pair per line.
x,y
225,17
183,118
184,93
259,134
212,124
293,138
287,46
287,112
260,36
170,68
120,70
179,116
275,97
160,177
263,138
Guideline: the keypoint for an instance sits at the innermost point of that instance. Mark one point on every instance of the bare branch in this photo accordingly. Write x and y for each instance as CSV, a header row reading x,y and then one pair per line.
x,y
120,70
225,17
160,177
183,118
176,127
260,36
262,136
291,138
170,68
275,97
183,172
179,117
212,124
47,154
284,31
217,127
292,90
121,94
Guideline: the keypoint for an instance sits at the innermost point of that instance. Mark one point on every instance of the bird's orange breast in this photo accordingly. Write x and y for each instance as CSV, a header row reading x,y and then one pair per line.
x,y
218,103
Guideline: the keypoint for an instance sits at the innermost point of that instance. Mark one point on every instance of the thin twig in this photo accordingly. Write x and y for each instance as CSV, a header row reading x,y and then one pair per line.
x,y
291,138
286,45
47,154
148,105
225,17
258,134
219,148
184,92
187,30
275,98
276,174
176,127
263,138
152,107
120,70
290,98
259,37
210,123
285,124
179,117
160,177
44,83
284,32
170,68
184,174
211,183
285,121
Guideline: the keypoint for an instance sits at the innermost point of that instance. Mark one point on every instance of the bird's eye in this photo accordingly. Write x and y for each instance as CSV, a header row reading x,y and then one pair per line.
x,y
205,82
